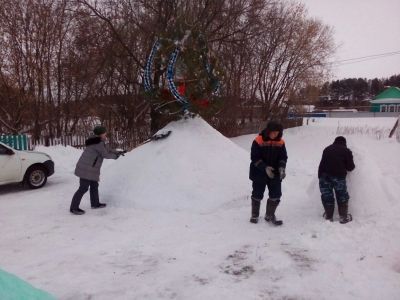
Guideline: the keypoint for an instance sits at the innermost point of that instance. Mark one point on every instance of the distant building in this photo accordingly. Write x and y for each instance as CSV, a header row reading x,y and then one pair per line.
x,y
387,101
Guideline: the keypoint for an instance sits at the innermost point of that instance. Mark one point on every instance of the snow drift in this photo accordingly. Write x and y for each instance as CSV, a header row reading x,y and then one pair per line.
x,y
142,249
65,157
196,168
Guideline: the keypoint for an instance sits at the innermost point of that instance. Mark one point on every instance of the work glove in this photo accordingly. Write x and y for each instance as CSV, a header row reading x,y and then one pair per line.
x,y
270,172
282,173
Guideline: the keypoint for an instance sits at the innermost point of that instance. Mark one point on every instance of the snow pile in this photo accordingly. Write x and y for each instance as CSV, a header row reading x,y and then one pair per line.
x,y
195,168
151,242
373,185
65,158
13,288
384,123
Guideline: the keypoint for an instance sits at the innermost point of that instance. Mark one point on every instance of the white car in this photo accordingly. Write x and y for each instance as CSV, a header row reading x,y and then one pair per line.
x,y
29,167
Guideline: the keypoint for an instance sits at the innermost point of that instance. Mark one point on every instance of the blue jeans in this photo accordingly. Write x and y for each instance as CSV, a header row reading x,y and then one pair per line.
x,y
328,185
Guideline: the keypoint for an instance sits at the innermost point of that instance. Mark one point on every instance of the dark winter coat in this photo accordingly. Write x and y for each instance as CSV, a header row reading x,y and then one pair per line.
x,y
336,160
89,164
266,152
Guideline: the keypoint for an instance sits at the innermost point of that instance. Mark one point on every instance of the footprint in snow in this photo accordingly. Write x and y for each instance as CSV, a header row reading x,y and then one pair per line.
x,y
236,264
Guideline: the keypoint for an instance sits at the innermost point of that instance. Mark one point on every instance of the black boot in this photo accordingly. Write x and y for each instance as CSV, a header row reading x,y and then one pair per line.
x,y
100,205
270,213
328,214
345,217
77,211
255,210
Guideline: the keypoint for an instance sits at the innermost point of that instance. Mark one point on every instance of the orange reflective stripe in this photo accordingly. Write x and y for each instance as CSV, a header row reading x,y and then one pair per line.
x,y
259,140
276,143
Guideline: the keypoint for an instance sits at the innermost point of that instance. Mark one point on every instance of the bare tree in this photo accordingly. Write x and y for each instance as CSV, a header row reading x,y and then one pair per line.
x,y
292,52
67,63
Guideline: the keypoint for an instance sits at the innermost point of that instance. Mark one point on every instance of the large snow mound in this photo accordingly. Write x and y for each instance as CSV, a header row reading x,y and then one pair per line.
x,y
373,185
196,169
124,252
65,157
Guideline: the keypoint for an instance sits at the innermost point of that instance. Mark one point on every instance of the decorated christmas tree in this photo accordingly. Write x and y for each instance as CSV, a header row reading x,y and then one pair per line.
x,y
181,76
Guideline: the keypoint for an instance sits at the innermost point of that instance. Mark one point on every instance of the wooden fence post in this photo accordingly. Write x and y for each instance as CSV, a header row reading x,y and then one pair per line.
x,y
396,125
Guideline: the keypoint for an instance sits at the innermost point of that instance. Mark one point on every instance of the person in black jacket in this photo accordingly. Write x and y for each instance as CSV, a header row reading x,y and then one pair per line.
x,y
336,161
267,169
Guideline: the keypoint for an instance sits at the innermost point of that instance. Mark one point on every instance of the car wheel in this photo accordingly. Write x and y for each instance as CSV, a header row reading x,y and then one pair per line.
x,y
36,177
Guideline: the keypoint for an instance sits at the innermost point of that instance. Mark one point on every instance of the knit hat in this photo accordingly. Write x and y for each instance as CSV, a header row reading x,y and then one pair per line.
x,y
98,130
274,126
341,140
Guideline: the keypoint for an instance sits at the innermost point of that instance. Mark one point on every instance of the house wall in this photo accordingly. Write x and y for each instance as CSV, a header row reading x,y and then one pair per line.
x,y
385,107
375,108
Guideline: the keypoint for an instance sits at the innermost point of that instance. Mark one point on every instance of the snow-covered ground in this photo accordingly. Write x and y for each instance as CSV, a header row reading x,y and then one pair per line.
x,y
177,225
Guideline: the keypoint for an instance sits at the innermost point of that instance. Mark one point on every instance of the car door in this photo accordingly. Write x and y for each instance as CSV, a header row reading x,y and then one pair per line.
x,y
10,165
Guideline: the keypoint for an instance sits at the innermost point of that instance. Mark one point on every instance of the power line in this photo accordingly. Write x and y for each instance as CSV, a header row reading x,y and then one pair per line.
x,y
363,58
367,59
374,55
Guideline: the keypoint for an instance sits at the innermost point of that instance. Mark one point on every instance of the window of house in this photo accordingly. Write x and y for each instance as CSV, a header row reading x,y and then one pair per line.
x,y
383,108
392,108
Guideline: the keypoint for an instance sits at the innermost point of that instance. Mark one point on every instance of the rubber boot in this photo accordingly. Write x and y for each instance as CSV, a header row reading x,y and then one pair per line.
x,y
345,217
77,211
328,214
270,212
255,210
100,205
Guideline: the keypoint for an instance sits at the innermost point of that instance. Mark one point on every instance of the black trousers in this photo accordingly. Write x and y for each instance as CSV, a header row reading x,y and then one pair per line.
x,y
84,185
274,189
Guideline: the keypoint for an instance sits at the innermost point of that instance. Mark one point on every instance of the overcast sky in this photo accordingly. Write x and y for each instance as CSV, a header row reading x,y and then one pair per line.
x,y
362,28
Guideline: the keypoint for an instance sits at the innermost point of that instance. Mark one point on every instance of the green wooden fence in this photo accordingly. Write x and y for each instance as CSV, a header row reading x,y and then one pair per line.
x,y
18,142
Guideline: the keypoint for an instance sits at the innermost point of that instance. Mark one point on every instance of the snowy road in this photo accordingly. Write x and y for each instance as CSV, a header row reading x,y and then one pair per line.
x,y
188,236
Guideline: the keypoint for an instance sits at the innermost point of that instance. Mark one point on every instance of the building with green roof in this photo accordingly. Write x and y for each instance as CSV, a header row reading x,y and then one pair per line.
x,y
387,101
